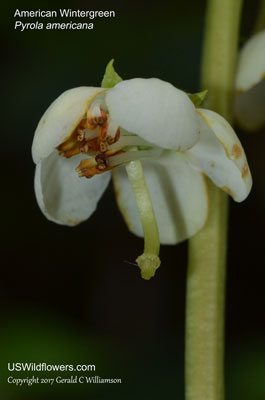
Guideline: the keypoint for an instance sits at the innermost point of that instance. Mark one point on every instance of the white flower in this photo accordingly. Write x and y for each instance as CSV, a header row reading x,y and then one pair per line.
x,y
250,84
97,130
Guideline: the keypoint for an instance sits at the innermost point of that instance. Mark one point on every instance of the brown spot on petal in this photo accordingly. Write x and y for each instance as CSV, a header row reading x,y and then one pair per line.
x,y
212,164
245,171
72,222
227,190
237,151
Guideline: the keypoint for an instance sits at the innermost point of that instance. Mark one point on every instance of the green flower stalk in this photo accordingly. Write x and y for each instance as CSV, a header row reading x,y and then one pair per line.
x,y
207,250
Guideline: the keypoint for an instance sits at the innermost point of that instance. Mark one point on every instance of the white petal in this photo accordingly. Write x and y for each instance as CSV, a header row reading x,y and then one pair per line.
x,y
221,156
250,84
156,111
60,119
250,107
62,196
178,193
251,63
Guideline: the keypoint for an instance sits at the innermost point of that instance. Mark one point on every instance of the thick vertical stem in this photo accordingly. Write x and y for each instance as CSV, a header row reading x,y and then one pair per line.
x,y
207,250
205,304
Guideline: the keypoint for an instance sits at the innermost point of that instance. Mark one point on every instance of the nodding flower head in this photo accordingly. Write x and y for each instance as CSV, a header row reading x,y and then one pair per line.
x,y
149,131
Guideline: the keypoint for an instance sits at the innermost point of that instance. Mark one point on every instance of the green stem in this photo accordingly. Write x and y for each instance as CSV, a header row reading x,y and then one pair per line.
x,y
207,250
149,261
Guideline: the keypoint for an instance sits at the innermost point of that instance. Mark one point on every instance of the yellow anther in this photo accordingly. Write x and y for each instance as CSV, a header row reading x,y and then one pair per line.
x,y
84,148
101,167
103,146
80,135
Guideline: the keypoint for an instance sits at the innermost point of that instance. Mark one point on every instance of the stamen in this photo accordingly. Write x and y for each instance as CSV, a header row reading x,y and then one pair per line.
x,y
86,124
80,135
87,168
117,135
129,140
67,145
98,164
93,144
97,135
103,146
102,119
111,139
95,114
101,167
101,159
112,128
90,134
103,131
124,157
69,153
69,148
84,148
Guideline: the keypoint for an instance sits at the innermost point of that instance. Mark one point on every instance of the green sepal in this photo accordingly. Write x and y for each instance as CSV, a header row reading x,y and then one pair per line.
x,y
197,98
110,78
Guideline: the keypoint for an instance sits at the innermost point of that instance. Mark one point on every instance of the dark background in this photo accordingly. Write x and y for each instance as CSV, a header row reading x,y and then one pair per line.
x,y
70,295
